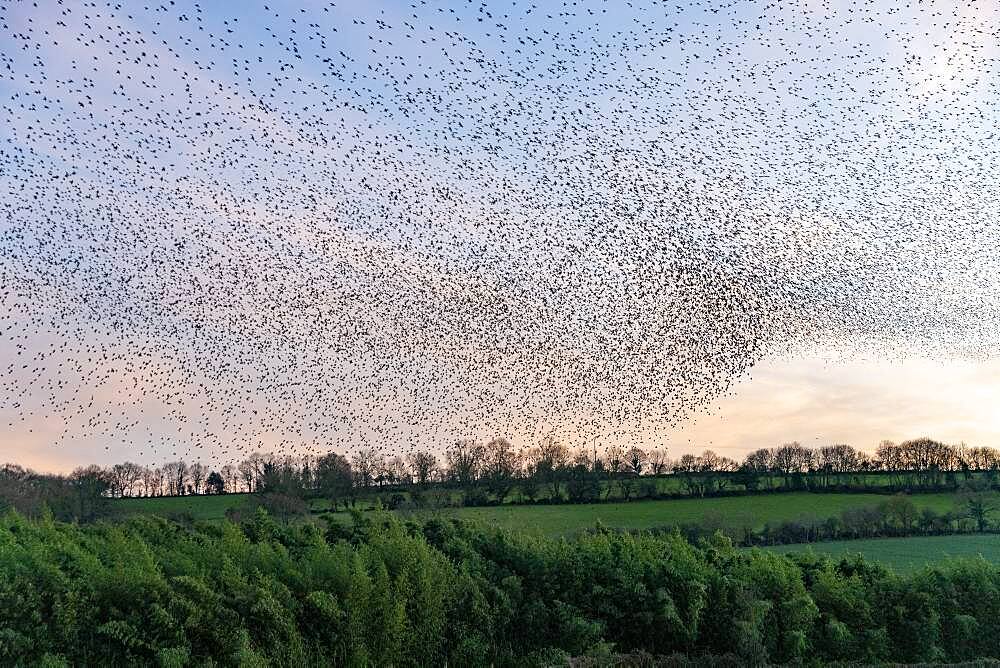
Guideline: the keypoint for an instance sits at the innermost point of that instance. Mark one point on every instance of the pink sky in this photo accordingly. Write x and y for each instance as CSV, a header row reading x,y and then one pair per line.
x,y
859,402
811,399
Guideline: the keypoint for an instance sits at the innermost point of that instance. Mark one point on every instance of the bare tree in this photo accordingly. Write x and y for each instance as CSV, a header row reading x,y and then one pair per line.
x,y
152,481
231,477
500,465
176,474
550,466
759,463
791,458
582,457
422,466
464,460
528,478
689,468
253,468
393,471
365,464
835,460
659,463
248,475
122,478
636,460
198,472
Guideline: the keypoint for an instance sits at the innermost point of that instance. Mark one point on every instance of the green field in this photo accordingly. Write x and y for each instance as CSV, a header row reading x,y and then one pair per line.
x,y
907,554
733,511
554,520
208,507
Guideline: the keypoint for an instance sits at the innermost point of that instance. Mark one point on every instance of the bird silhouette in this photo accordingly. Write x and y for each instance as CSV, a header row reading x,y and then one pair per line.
x,y
232,228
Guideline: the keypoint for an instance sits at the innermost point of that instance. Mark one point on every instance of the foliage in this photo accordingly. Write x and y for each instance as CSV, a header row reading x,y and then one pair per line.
x,y
333,477
148,591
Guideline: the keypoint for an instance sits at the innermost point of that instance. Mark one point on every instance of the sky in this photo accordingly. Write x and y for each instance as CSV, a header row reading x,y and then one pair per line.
x,y
812,399
838,153
818,401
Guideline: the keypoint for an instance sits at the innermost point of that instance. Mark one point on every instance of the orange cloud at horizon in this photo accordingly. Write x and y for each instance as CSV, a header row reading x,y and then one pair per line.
x,y
860,402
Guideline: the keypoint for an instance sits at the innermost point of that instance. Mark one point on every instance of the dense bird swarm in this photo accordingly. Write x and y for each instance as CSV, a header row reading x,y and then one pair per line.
x,y
327,225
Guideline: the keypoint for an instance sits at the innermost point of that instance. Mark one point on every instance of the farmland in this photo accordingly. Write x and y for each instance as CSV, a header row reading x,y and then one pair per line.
x,y
906,554
564,519
202,507
722,512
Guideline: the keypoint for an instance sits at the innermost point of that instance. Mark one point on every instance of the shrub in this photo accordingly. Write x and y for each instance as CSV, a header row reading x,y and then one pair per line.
x,y
382,592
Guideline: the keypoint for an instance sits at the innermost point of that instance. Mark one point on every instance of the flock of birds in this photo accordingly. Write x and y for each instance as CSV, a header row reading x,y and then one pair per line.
x,y
297,228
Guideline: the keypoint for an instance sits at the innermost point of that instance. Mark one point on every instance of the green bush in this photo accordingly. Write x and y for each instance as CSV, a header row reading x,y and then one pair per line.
x,y
149,591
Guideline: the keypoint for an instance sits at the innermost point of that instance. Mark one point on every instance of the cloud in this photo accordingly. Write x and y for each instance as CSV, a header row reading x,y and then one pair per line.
x,y
819,401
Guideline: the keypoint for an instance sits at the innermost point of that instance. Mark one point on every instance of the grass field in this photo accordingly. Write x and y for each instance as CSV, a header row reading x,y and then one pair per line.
x,y
207,507
555,520
907,554
735,511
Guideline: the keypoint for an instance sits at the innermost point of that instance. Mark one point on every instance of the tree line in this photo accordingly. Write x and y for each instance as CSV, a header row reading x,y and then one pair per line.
x,y
148,591
497,472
